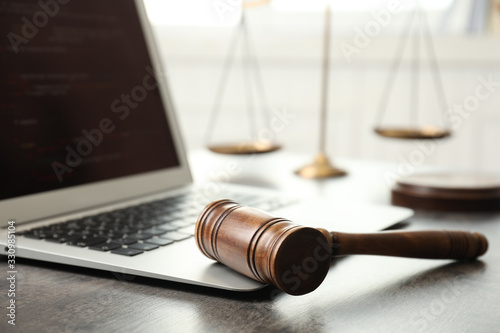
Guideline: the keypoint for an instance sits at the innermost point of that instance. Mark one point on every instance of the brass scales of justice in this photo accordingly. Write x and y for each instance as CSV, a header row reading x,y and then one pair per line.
x,y
321,166
439,191
418,24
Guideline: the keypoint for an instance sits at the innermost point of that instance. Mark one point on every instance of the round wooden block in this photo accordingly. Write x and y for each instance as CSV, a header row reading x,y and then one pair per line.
x,y
465,192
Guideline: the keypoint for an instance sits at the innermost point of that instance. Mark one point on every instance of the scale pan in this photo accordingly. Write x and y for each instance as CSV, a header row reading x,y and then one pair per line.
x,y
422,133
257,147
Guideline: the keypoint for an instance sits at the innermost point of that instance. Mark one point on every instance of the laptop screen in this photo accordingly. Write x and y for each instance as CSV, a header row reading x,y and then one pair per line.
x,y
79,102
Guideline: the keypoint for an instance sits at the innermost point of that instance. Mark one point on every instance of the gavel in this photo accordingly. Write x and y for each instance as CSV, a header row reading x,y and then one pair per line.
x,y
297,258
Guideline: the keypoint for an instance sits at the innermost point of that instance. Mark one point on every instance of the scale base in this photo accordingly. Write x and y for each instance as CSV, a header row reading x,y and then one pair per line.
x,y
257,147
422,133
320,168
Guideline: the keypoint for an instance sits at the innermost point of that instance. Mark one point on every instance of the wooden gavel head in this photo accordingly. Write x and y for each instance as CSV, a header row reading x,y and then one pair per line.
x,y
272,250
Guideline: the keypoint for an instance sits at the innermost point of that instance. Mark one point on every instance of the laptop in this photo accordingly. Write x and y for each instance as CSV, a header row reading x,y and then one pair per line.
x,y
94,172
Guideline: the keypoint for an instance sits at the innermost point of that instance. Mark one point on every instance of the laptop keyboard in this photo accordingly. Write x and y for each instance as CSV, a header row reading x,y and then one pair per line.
x,y
137,229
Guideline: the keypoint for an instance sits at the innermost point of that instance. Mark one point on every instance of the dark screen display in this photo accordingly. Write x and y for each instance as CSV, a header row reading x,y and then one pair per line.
x,y
79,102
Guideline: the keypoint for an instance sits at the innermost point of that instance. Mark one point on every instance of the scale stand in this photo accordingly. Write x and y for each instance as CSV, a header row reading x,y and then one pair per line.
x,y
321,166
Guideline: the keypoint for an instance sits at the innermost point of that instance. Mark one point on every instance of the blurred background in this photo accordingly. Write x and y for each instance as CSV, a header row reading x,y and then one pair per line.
x,y
194,38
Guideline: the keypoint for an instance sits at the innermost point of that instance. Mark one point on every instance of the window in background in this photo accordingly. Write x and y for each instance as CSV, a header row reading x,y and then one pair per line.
x,y
300,16
228,12
209,13
357,5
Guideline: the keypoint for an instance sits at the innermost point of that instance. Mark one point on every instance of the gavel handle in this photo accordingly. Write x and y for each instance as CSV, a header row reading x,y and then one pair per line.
x,y
413,244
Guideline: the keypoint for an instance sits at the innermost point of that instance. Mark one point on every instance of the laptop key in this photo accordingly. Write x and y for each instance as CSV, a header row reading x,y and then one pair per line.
x,y
165,219
125,229
167,227
105,246
182,223
57,238
32,235
159,241
143,246
124,241
126,251
110,234
176,236
155,231
87,241
144,225
140,236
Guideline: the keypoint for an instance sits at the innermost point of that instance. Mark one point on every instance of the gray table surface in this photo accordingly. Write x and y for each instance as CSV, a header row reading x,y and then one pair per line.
x,y
360,294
